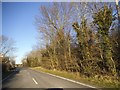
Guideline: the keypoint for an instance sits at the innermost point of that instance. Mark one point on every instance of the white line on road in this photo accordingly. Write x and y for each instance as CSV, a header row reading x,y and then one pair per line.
x,y
34,81
70,80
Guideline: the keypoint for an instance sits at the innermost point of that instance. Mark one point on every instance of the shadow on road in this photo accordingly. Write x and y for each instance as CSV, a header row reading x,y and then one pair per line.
x,y
32,89
17,71
55,89
8,78
50,89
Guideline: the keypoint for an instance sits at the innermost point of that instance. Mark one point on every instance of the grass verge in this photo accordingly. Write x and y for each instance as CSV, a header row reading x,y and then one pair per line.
x,y
99,83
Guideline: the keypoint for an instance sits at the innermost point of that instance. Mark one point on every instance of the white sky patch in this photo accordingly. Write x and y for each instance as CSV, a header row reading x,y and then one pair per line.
x,y
58,0
0,18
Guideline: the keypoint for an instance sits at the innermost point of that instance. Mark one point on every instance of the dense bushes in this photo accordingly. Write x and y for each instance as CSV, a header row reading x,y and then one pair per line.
x,y
76,43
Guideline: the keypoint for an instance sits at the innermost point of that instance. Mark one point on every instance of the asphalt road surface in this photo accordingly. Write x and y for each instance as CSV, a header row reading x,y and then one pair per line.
x,y
27,78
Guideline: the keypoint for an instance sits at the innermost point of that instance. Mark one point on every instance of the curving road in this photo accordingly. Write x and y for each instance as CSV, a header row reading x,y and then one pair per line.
x,y
27,78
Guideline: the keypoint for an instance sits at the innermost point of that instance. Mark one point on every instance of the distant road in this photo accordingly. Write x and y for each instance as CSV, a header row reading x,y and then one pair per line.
x,y
27,78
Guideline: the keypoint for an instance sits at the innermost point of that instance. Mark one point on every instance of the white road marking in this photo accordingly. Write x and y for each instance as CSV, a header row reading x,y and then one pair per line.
x,y
59,87
70,80
34,81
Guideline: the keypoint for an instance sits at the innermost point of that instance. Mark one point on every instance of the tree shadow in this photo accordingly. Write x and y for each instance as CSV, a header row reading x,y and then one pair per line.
x,y
8,78
54,89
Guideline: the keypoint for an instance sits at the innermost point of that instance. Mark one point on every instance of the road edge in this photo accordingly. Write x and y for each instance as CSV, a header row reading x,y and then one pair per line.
x,y
7,77
67,79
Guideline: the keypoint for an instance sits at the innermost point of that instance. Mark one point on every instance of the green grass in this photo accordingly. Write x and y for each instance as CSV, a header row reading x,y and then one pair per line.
x,y
105,82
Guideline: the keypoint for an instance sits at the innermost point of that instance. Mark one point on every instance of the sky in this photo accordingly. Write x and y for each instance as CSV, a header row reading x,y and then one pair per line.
x,y
59,0
18,23
1,19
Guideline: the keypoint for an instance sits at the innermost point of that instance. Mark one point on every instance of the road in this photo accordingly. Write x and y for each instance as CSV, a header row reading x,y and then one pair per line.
x,y
27,78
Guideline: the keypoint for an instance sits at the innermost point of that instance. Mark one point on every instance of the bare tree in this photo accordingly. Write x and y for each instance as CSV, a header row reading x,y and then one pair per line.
x,y
54,24
7,46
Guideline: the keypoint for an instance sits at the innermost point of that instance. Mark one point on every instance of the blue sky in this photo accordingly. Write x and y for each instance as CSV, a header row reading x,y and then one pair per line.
x,y
18,23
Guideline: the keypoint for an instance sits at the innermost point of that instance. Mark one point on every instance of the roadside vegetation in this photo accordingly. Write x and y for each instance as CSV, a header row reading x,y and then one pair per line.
x,y
102,82
79,39
7,58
